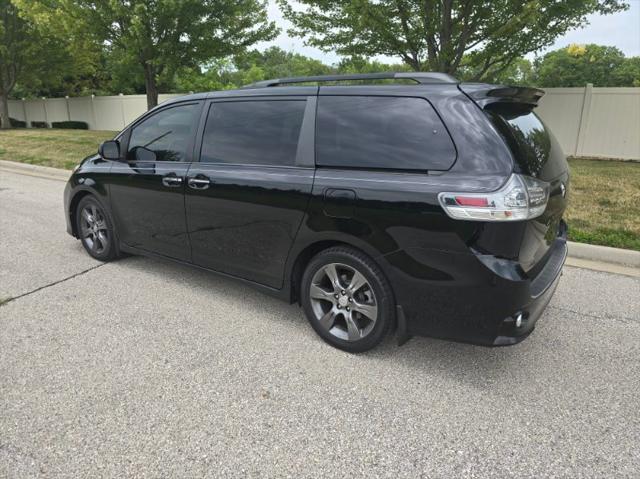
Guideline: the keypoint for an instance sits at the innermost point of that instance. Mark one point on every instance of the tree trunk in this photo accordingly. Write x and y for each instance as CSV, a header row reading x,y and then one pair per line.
x,y
4,110
150,85
446,53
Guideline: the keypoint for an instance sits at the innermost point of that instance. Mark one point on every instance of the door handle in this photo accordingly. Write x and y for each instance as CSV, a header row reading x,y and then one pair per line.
x,y
200,182
172,181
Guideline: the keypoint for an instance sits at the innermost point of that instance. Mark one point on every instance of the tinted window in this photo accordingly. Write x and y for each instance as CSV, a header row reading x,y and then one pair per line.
x,y
253,132
164,136
381,132
527,136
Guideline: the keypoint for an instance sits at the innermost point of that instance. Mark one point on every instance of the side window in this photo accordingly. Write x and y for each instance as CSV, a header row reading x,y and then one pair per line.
x,y
253,132
164,136
381,132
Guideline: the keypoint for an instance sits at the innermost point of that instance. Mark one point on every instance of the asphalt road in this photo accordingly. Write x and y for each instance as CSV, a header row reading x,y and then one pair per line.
x,y
144,368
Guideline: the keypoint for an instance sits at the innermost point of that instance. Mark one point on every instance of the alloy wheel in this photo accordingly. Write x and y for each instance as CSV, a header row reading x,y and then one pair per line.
x,y
94,230
343,302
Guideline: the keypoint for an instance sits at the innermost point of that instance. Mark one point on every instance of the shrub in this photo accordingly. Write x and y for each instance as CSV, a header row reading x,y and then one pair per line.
x,y
70,125
17,123
39,124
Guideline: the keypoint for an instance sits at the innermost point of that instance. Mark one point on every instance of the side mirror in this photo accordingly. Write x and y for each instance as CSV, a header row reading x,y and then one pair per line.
x,y
110,150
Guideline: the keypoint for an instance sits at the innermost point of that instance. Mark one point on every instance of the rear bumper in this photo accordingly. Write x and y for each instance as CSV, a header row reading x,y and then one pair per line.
x,y
474,298
542,288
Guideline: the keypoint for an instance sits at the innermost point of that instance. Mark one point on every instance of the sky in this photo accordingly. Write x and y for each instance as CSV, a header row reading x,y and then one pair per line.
x,y
621,30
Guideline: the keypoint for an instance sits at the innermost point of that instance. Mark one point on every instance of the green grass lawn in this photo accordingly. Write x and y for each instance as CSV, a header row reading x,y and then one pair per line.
x,y
604,201
48,147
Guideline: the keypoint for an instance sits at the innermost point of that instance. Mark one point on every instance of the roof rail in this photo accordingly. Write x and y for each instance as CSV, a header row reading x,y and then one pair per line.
x,y
418,77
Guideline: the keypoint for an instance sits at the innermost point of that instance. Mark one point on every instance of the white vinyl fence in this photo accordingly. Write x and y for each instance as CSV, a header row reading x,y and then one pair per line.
x,y
99,112
601,122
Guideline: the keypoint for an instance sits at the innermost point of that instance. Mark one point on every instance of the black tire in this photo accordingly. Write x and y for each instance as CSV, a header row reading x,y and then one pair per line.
x,y
333,317
96,232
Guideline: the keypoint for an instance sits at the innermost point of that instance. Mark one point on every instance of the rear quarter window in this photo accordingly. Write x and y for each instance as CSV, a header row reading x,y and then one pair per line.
x,y
381,133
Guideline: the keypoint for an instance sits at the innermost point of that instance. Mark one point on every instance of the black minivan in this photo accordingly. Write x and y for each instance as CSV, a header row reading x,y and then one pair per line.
x,y
406,201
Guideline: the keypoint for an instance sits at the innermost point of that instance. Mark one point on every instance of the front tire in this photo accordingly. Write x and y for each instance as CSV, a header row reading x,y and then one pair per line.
x,y
95,229
347,299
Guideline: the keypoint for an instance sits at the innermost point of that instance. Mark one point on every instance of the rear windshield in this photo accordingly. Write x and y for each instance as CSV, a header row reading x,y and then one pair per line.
x,y
534,148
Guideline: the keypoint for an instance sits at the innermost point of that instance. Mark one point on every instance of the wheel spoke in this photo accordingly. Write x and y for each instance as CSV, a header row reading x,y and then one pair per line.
x,y
352,328
317,292
357,282
86,215
102,238
368,310
332,274
86,233
328,319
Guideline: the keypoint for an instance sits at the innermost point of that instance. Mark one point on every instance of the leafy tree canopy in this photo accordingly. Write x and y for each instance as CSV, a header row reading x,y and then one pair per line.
x,y
277,63
274,62
162,36
484,36
519,72
247,67
363,65
34,57
577,65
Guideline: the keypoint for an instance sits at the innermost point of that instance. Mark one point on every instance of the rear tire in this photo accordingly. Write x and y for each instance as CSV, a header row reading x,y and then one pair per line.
x,y
95,229
347,299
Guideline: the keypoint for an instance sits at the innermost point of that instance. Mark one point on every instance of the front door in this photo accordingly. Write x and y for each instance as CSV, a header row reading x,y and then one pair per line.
x,y
147,191
246,197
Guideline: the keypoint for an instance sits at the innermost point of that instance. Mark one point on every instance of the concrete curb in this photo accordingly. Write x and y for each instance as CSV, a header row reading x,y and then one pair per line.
x,y
613,268
604,254
35,170
600,258
604,158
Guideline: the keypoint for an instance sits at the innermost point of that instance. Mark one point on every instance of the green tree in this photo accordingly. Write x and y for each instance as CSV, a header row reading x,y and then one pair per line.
x,y
162,36
15,53
488,35
274,62
247,67
627,74
29,56
364,65
519,72
60,64
577,65
278,63
216,75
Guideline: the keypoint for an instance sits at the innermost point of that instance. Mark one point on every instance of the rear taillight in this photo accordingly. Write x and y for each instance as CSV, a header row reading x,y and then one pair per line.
x,y
521,198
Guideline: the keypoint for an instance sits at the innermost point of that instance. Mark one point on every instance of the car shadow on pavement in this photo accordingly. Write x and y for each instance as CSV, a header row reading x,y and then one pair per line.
x,y
477,365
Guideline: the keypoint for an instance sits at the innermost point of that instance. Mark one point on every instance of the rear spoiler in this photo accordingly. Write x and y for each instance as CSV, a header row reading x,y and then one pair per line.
x,y
485,94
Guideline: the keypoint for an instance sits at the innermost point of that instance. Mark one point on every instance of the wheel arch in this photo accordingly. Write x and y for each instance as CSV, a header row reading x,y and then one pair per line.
x,y
300,263
73,205
304,254
78,195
